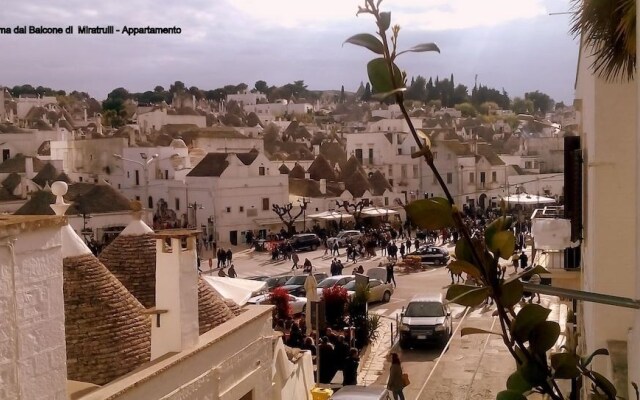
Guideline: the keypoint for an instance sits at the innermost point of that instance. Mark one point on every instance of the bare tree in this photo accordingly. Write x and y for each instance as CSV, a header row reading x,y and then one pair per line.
x,y
354,209
289,219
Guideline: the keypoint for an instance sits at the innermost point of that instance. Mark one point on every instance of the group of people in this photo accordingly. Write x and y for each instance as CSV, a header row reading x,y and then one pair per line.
x,y
224,257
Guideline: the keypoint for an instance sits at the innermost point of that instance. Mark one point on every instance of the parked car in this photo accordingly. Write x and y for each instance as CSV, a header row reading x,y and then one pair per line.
x,y
378,290
336,280
295,284
277,281
302,241
426,320
298,304
353,392
343,238
432,255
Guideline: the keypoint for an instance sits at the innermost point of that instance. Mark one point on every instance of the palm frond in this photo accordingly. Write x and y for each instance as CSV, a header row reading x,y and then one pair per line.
x,y
608,28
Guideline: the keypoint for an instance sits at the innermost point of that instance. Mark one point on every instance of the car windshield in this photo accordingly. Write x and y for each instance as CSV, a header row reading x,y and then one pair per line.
x,y
327,283
297,280
424,309
350,286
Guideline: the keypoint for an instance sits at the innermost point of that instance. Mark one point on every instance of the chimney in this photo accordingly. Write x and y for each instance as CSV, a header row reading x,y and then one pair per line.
x,y
323,186
307,175
28,167
174,326
316,149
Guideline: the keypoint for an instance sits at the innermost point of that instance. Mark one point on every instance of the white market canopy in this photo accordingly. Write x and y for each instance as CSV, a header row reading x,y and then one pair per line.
x,y
236,289
527,199
377,212
330,215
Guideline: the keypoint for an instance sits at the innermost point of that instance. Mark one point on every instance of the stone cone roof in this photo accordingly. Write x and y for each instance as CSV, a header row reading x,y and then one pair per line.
x,y
320,168
212,310
297,172
132,259
107,334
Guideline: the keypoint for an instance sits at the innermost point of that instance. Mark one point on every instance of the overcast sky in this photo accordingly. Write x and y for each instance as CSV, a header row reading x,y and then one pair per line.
x,y
510,44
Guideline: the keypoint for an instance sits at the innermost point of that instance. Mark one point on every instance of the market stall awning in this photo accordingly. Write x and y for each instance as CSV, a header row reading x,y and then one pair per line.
x,y
268,221
526,199
377,211
330,215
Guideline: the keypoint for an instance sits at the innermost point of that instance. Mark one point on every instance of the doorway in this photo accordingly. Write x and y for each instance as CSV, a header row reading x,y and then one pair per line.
x,y
233,237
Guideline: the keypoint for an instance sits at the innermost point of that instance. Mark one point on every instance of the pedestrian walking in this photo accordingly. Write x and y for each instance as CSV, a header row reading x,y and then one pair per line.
x,y
336,249
350,368
222,257
295,259
232,272
524,260
408,245
229,256
396,382
307,266
390,277
402,250
535,280
514,260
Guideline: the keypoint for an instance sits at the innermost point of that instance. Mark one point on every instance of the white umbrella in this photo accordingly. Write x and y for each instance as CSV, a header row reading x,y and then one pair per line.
x,y
310,287
377,212
330,215
236,289
527,199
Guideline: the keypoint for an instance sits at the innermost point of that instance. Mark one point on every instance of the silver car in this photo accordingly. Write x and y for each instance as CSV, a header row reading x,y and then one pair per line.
x,y
344,238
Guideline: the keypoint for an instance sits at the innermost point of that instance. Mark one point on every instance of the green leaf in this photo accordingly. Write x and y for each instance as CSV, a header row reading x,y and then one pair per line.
x,y
511,293
517,383
543,336
510,395
379,76
366,40
383,96
469,296
587,360
533,373
500,224
605,385
433,213
463,251
385,20
528,317
457,267
419,48
502,244
565,365
477,331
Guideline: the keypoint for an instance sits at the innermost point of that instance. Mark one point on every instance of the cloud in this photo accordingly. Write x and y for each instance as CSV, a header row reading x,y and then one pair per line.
x,y
418,14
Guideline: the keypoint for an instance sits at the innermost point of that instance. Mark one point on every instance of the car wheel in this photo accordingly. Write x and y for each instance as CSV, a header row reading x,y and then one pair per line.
x,y
386,296
313,247
403,344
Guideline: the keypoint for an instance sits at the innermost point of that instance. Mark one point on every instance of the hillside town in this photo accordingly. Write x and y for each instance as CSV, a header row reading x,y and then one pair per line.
x,y
434,242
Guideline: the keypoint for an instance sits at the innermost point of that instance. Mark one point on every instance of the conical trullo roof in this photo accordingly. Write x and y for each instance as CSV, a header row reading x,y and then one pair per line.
x,y
131,257
297,172
320,168
357,184
351,167
107,334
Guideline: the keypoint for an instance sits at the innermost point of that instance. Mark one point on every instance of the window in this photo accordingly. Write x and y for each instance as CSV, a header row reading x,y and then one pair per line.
x,y
399,151
80,179
128,176
472,177
435,155
370,156
482,177
166,174
386,201
6,154
138,198
137,178
415,171
494,176
177,203
261,171
228,209
241,209
403,171
359,155
265,204
150,202
449,177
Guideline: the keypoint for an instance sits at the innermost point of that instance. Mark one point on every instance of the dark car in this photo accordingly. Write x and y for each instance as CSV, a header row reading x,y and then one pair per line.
x,y
432,255
277,281
305,241
426,320
295,285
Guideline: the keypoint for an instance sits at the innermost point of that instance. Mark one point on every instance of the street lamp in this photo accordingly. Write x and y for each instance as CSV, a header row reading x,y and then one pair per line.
x,y
195,206
145,168
304,202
